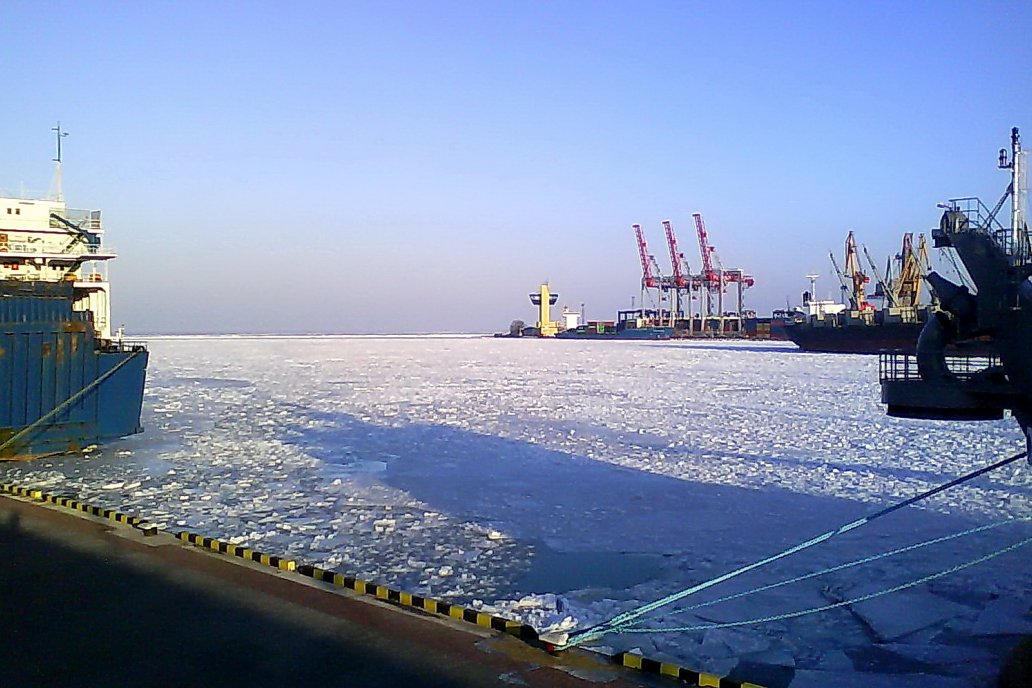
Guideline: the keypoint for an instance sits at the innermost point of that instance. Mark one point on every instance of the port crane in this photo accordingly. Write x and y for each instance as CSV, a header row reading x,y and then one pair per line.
x,y
912,267
651,278
682,281
856,275
884,290
852,279
716,280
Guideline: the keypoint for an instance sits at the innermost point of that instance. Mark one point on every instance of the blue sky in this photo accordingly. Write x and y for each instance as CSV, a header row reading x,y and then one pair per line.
x,y
404,167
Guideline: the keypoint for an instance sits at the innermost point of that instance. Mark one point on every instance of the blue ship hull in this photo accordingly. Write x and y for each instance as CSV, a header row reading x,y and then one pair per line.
x,y
51,358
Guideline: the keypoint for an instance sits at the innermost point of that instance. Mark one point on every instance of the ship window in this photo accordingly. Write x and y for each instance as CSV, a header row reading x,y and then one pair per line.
x,y
8,211
17,211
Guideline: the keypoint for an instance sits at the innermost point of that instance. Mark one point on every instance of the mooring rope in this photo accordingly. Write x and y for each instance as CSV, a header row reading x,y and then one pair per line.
x,y
847,565
67,402
836,605
840,567
594,632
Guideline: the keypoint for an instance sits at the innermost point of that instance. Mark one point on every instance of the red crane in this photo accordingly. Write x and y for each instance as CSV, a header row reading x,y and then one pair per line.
x,y
716,279
649,280
710,277
676,257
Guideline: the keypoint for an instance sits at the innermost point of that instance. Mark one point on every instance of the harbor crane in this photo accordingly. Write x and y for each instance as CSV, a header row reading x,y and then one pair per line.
x,y
716,280
852,279
855,275
912,267
884,289
683,282
651,278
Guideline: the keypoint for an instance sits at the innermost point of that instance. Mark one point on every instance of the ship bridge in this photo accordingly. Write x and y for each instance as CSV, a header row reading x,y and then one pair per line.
x,y
43,241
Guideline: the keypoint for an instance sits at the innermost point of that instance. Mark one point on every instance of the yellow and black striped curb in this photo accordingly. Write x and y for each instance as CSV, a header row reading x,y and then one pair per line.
x,y
692,678
404,599
235,550
69,503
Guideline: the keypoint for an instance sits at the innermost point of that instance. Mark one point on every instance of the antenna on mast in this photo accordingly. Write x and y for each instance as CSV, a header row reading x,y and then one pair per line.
x,y
56,188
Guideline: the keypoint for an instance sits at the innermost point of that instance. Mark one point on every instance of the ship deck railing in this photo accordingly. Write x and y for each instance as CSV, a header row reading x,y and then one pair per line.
x,y
1016,247
123,347
88,220
22,249
896,367
25,194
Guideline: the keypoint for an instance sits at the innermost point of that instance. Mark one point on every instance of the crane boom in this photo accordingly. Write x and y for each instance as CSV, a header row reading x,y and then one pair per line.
x,y
881,281
855,274
716,278
842,281
908,286
676,257
649,279
709,275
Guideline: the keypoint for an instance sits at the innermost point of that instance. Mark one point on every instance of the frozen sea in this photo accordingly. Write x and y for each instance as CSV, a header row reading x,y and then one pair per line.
x,y
563,482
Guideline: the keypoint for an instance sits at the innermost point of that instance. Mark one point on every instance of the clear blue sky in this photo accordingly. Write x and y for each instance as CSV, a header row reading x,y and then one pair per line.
x,y
402,167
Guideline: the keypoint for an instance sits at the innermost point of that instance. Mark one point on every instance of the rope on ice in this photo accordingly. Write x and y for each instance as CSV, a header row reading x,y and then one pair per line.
x,y
622,620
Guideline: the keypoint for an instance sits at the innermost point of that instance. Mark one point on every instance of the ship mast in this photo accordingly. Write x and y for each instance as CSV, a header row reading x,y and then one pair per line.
x,y
57,187
1019,181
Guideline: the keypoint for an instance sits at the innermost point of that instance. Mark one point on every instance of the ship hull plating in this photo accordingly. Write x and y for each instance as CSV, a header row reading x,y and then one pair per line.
x,y
634,334
48,355
859,339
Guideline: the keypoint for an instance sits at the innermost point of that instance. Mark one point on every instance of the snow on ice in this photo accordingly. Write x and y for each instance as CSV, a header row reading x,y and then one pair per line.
x,y
564,482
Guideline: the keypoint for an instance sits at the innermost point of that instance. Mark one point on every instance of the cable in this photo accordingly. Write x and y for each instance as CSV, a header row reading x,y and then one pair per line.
x,y
843,603
580,637
857,562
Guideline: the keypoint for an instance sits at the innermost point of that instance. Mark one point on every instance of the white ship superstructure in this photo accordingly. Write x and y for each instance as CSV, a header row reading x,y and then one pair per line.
x,y
42,240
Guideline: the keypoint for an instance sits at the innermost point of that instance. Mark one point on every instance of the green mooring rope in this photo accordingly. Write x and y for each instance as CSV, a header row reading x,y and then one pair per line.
x,y
622,620
833,569
843,603
67,402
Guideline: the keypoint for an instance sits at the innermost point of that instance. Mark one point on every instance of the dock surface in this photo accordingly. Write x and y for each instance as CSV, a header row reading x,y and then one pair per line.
x,y
89,602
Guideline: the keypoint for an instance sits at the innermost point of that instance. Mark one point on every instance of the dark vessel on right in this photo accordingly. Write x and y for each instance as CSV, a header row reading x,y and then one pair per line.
x,y
938,384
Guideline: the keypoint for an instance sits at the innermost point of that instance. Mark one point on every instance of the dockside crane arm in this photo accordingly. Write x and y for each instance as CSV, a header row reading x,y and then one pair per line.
x,y
676,257
842,281
711,279
855,274
649,279
911,275
889,298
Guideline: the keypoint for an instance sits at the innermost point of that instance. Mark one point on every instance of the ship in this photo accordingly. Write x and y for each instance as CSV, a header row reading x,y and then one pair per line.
x,y
857,326
628,325
67,382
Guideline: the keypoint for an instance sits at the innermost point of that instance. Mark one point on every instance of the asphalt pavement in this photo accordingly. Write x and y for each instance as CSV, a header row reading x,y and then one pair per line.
x,y
86,602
